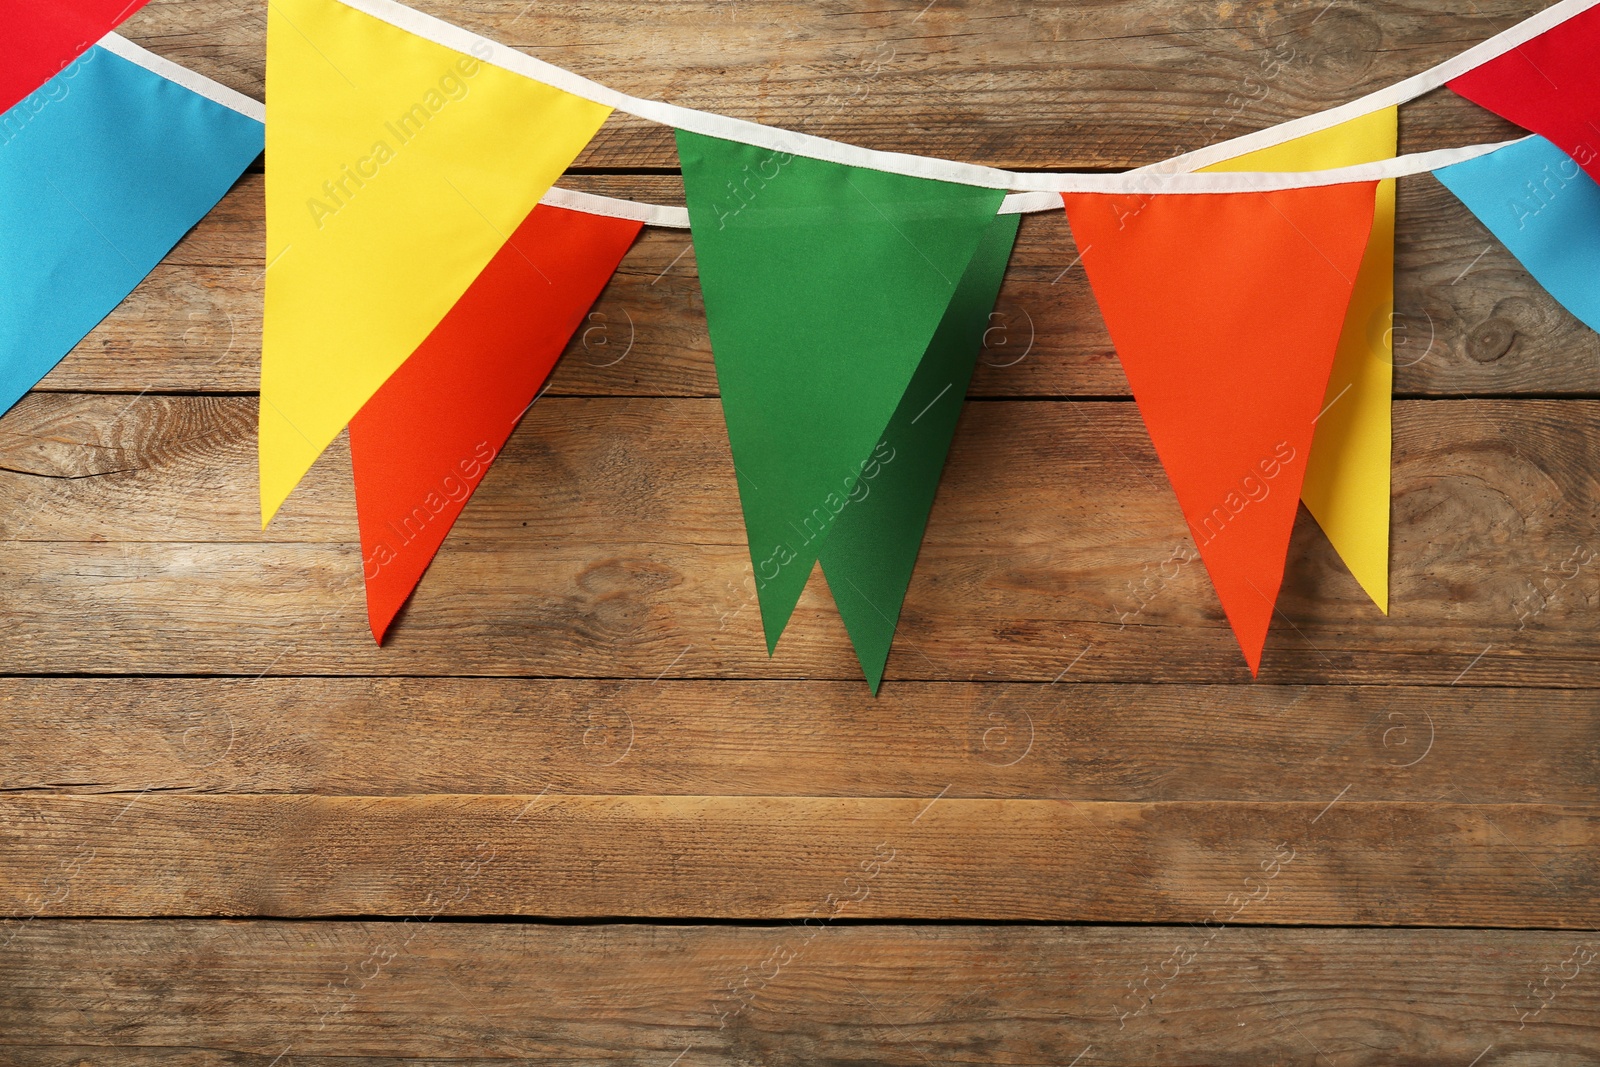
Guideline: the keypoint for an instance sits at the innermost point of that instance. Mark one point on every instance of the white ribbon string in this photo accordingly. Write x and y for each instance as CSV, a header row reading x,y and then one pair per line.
x,y
1145,180
216,92
1392,96
1148,182
675,218
1033,192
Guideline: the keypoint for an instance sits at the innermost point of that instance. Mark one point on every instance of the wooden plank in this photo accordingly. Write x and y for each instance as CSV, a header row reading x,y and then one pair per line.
x,y
1042,85
1468,321
607,542
367,993
393,737
1339,860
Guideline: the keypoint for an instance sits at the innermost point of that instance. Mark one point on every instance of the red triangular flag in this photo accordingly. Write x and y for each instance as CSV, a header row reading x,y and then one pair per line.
x,y
420,446
1225,310
42,36
1550,85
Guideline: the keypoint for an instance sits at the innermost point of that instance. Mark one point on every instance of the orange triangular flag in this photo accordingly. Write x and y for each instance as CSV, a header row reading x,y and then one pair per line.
x,y
1226,310
425,439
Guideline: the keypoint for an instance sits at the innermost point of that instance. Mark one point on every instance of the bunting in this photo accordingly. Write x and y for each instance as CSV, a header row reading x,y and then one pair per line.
x,y
399,168
1550,85
1546,210
420,446
424,276
102,169
1226,312
825,286
1347,472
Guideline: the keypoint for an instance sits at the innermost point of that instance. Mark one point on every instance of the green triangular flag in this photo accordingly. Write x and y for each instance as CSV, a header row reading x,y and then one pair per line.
x,y
869,554
824,286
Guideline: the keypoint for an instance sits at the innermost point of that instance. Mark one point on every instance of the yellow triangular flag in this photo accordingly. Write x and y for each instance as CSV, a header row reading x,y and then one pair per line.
x,y
397,168
1347,475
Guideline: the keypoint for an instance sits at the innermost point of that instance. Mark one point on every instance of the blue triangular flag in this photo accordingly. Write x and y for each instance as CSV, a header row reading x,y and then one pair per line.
x,y
1546,210
102,170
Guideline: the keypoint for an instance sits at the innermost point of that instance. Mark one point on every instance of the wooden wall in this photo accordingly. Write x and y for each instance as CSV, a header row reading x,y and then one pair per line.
x,y
572,813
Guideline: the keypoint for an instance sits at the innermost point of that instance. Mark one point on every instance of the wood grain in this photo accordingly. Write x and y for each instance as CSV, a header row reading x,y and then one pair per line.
x,y
370,993
1340,860
577,720
607,542
1037,85
398,737
1468,318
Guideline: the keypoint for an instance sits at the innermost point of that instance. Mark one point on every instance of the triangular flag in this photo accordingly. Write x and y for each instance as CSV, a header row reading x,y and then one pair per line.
x,y
1347,475
102,170
422,443
43,36
824,286
1226,310
1550,85
868,555
399,167
1546,210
